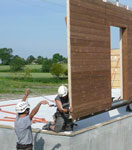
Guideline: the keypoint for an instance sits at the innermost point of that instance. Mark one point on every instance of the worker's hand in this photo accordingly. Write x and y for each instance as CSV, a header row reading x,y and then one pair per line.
x,y
71,109
44,102
27,92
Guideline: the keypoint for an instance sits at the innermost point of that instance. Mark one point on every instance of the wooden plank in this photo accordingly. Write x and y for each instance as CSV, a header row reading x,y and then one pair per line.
x,y
86,8
119,12
86,24
89,5
84,17
84,36
91,43
91,31
88,49
125,65
91,55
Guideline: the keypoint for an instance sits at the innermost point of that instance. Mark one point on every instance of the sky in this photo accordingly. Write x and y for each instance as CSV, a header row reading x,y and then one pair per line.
x,y
37,27
33,27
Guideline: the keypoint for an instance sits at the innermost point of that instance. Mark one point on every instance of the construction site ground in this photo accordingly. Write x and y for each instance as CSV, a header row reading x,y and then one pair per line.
x,y
7,97
45,114
91,131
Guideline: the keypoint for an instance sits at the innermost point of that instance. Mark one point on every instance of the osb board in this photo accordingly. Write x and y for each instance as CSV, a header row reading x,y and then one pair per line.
x,y
89,57
115,69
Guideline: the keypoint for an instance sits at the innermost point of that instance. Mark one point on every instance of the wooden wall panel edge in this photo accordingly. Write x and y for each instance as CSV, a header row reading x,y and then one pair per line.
x,y
125,63
121,64
69,52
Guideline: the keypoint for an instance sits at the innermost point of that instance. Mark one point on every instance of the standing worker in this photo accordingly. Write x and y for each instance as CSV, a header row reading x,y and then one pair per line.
x,y
62,115
23,123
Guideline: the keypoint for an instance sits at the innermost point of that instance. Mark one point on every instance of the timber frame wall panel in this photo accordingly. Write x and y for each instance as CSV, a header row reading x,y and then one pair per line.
x,y
89,63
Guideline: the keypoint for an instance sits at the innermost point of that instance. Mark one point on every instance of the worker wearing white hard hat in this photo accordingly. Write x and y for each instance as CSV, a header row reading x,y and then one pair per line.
x,y
63,112
22,107
23,123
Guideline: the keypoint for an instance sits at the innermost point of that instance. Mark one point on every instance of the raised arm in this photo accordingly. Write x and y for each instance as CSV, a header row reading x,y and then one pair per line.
x,y
35,110
26,95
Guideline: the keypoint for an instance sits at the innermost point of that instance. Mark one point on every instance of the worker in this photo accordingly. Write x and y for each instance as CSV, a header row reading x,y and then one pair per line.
x,y
23,123
62,120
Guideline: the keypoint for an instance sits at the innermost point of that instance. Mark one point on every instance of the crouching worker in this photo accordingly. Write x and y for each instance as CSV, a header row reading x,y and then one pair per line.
x,y
23,123
62,120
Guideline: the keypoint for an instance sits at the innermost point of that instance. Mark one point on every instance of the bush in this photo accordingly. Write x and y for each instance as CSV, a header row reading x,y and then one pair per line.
x,y
47,63
57,70
66,72
17,63
27,73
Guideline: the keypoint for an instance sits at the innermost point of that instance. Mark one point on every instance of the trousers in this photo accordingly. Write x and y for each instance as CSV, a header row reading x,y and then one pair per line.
x,y
24,147
30,148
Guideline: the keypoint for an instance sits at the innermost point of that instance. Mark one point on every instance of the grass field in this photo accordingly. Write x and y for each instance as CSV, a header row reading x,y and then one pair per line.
x,y
18,87
20,74
4,67
31,67
34,66
38,82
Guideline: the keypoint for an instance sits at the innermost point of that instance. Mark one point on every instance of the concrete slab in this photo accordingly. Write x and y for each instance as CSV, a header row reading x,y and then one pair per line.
x,y
114,134
106,131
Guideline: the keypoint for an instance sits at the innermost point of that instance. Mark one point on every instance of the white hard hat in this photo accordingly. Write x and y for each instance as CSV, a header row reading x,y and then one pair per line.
x,y
22,106
62,91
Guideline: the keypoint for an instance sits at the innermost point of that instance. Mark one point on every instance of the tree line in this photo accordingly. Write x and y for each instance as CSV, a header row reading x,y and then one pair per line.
x,y
17,63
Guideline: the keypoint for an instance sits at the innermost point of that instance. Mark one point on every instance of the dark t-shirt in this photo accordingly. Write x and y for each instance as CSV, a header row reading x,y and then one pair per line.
x,y
65,105
64,101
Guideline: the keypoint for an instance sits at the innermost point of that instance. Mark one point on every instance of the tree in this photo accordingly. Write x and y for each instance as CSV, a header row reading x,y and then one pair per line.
x,y
57,58
6,55
64,60
57,70
47,63
17,63
39,60
31,59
